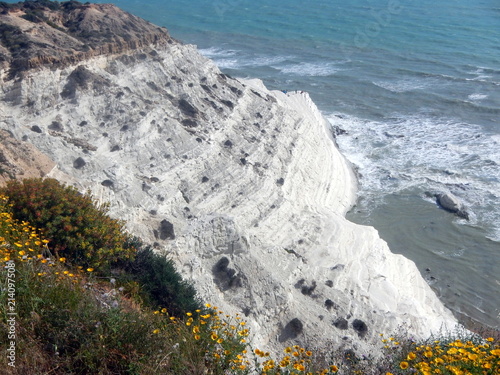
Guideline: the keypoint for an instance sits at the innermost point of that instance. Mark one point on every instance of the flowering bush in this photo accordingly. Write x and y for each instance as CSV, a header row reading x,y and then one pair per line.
x,y
79,229
460,353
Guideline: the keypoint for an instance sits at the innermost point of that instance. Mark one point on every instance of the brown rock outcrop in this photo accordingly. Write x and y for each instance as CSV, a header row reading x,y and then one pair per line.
x,y
59,34
21,159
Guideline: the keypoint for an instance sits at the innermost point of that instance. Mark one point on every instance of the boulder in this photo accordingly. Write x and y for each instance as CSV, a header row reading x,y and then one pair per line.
x,y
451,203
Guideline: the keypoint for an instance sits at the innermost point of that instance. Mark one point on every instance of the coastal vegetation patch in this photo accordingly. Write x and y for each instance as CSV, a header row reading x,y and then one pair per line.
x,y
130,312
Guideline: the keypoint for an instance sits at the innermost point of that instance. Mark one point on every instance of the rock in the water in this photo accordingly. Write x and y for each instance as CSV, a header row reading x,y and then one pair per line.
x,y
451,203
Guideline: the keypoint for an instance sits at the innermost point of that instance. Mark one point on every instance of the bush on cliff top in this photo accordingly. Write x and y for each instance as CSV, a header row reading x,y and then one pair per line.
x,y
79,229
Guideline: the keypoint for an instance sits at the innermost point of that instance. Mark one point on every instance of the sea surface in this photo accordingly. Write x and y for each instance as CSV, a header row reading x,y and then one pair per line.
x,y
414,87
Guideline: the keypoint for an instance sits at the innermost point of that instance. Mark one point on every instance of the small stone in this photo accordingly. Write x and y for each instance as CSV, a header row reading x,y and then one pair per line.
x,y
79,163
36,129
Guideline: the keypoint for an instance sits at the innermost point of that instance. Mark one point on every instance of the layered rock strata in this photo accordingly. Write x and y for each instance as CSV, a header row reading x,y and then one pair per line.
x,y
244,188
46,33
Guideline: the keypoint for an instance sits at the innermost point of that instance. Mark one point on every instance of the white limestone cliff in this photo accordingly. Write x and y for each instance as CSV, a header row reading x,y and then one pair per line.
x,y
244,188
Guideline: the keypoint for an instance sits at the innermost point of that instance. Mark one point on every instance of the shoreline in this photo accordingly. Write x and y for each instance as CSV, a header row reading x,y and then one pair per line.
x,y
289,98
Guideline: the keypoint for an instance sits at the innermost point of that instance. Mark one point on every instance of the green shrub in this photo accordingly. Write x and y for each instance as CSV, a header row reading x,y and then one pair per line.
x,y
35,16
62,328
12,38
77,228
160,283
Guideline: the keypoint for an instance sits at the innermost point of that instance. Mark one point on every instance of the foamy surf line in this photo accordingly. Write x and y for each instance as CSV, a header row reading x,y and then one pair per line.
x,y
234,59
394,156
309,69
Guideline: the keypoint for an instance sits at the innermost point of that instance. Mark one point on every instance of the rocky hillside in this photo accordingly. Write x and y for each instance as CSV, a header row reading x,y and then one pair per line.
x,y
20,159
49,33
244,188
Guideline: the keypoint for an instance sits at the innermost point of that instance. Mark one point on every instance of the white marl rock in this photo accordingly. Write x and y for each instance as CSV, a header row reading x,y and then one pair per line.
x,y
250,180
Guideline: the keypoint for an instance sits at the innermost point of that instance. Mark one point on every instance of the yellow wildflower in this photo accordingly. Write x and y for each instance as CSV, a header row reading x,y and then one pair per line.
x,y
472,356
411,356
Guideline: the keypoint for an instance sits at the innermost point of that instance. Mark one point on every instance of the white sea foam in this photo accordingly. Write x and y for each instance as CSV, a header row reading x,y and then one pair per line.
x,y
427,154
227,63
233,59
267,60
215,52
477,96
309,69
224,58
481,78
455,254
404,85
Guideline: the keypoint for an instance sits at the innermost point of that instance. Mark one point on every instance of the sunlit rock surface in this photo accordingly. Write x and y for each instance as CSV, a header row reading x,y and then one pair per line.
x,y
244,188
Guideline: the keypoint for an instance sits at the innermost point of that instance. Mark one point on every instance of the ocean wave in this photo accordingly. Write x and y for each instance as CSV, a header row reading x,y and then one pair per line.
x,y
216,52
459,76
309,69
227,63
482,70
477,96
233,59
403,85
267,60
472,105
424,153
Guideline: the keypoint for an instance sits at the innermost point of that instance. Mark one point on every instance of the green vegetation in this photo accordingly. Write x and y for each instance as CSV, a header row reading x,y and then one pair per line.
x,y
79,229
160,284
137,316
12,38
38,5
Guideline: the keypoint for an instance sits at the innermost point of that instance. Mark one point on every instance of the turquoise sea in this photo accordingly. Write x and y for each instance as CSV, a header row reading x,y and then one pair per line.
x,y
415,85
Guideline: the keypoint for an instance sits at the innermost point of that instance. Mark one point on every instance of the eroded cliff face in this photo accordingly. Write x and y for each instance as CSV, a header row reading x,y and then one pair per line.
x,y
242,187
54,34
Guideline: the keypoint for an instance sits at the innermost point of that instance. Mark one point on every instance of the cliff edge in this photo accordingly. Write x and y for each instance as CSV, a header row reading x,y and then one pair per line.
x,y
243,187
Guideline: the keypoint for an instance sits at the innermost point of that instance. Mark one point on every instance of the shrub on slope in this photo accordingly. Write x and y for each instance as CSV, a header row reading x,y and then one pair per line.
x,y
78,228
160,283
